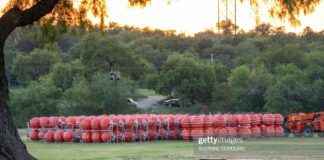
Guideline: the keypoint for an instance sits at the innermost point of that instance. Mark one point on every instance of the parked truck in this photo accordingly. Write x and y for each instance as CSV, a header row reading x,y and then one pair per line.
x,y
301,124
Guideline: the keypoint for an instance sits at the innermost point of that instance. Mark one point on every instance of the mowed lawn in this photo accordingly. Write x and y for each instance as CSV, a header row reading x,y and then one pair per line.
x,y
271,148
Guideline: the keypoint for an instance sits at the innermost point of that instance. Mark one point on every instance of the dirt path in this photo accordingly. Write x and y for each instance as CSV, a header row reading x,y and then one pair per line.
x,y
149,101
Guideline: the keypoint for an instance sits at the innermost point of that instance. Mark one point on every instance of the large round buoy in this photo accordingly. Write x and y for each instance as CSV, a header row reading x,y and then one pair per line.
x,y
268,131
219,120
78,120
186,134
208,121
105,123
268,119
33,135
245,132
173,134
232,120
197,121
120,137
222,132
208,132
41,135
95,124
71,122
58,136
105,137
152,121
44,122
185,121
61,122
162,134
278,131
231,132
255,119
245,120
54,122
68,136
278,119
86,124
197,133
171,120
129,136
86,137
255,131
96,137
49,136
35,123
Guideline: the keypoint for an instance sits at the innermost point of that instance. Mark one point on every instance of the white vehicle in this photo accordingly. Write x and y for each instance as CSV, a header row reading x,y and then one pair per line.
x,y
131,102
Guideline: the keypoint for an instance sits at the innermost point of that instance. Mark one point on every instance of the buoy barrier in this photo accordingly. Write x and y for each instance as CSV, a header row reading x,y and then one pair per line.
x,y
152,127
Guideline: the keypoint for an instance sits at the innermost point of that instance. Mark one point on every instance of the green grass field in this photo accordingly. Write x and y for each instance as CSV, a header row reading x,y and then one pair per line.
x,y
271,148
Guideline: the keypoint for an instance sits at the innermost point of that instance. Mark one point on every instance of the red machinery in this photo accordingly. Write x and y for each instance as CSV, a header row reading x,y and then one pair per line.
x,y
301,124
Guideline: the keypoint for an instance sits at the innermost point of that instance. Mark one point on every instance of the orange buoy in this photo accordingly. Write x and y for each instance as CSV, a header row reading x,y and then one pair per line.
x,y
173,134
129,136
105,123
222,132
197,122
245,120
278,131
33,135
219,120
162,134
152,121
35,122
95,124
232,120
44,122
58,136
231,132
86,124
53,122
96,137
268,119
68,136
41,135
245,132
268,131
278,119
255,131
186,134
208,132
208,121
49,136
197,133
255,119
86,137
185,121
71,122
105,137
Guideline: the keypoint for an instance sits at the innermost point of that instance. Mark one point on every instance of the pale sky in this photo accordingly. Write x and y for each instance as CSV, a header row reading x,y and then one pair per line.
x,y
192,16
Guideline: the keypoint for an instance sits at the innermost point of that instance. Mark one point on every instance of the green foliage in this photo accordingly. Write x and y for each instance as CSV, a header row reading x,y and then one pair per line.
x,y
100,95
188,78
37,99
265,70
62,76
31,67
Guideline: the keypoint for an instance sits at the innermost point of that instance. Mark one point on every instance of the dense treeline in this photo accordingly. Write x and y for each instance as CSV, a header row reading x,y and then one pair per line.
x,y
263,70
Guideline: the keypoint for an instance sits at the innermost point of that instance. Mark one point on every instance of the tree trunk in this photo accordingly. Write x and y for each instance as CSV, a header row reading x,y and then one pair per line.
x,y
11,146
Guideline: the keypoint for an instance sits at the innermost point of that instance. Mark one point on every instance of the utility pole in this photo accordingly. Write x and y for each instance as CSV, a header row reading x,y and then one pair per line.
x,y
212,57
218,16
235,17
114,76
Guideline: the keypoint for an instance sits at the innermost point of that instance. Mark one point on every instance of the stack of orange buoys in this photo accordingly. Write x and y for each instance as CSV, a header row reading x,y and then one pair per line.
x,y
152,127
